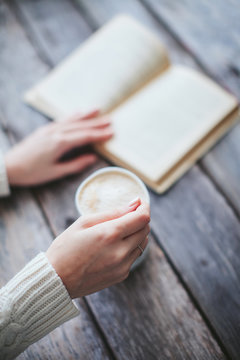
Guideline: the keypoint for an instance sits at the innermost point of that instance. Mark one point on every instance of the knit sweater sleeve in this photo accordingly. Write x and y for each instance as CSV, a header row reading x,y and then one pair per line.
x,y
4,187
32,304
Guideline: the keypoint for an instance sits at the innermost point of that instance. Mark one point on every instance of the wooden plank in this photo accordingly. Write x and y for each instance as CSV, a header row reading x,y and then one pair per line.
x,y
211,34
108,9
201,235
29,67
222,164
56,34
203,208
77,339
100,311
23,230
23,235
151,303
161,321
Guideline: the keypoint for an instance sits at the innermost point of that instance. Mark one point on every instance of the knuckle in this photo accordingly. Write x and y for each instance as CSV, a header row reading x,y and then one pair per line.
x,y
118,256
118,228
58,139
145,218
123,253
111,235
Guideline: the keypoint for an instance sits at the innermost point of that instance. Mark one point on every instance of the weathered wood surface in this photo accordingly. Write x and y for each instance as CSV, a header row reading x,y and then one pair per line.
x,y
188,215
188,346
149,315
161,321
56,34
210,32
189,341
48,195
23,229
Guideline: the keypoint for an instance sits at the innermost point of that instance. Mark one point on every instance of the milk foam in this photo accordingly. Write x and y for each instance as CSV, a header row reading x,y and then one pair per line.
x,y
107,191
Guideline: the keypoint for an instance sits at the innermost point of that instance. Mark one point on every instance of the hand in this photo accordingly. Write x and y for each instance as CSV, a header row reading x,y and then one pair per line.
x,y
35,160
97,251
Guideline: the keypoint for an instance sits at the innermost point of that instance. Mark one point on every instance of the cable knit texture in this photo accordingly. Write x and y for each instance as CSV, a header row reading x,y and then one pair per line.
x,y
32,304
4,187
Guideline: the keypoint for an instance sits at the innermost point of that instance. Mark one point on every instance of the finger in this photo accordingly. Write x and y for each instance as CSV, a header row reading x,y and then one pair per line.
x,y
80,138
96,123
133,222
91,114
98,135
78,116
131,242
137,252
75,166
94,219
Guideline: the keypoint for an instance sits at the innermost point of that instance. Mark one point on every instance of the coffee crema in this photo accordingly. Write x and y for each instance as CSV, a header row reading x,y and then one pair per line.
x,y
106,191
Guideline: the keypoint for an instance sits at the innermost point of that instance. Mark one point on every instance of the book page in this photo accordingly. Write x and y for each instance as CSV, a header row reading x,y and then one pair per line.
x,y
155,128
114,63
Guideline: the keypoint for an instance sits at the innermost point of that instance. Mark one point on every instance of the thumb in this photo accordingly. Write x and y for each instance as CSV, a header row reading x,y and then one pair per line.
x,y
76,165
94,219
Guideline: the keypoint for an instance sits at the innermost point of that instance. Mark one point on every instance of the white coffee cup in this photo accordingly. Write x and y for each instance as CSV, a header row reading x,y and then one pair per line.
x,y
100,192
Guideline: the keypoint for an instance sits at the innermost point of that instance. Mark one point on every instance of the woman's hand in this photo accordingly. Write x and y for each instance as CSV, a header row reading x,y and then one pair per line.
x,y
97,251
35,160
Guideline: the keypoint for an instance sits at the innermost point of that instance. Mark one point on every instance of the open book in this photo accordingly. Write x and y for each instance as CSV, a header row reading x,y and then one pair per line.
x,y
165,117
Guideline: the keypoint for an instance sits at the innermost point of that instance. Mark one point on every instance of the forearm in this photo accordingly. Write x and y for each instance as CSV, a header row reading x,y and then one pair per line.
x,y
32,304
4,186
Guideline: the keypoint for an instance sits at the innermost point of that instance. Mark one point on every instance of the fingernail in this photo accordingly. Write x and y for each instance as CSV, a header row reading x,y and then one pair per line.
x,y
134,202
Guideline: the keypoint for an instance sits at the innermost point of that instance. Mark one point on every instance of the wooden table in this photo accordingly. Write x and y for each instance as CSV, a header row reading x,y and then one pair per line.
x,y
184,302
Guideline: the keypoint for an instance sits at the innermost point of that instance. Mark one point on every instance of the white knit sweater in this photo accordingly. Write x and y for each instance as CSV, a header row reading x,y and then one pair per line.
x,y
33,303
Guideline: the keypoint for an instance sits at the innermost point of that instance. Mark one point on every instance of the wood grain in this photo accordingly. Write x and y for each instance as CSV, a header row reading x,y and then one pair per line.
x,y
50,204
23,234
210,33
191,342
202,241
23,229
161,321
55,34
218,258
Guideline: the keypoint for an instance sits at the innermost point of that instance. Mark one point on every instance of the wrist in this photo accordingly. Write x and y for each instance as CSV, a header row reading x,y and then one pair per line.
x,y
58,266
13,171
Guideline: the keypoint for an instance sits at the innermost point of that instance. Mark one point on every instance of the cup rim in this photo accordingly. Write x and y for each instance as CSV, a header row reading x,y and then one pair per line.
x,y
110,169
